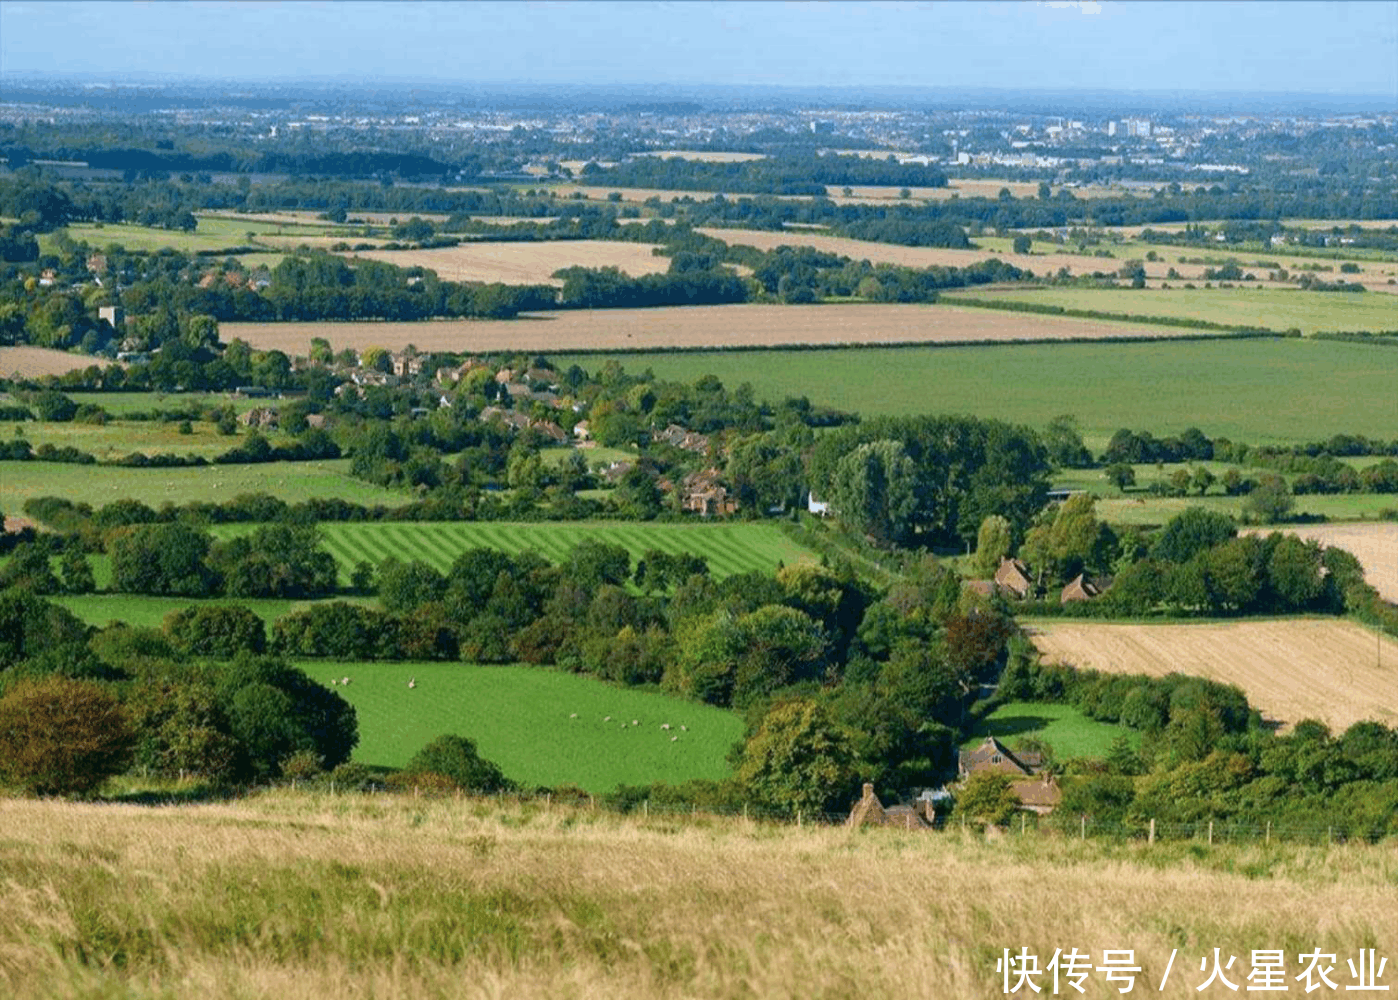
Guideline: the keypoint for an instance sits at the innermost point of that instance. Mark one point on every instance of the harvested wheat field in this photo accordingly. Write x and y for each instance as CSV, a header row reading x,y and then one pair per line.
x,y
1042,264
704,155
697,327
525,263
1375,545
302,896
1327,669
32,362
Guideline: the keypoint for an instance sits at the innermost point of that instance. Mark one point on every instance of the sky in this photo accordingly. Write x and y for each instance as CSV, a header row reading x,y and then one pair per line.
x,y
1328,47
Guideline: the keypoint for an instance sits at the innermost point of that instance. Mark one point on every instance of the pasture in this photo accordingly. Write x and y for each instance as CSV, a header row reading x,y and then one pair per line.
x,y
1374,545
1241,306
36,362
1064,728
521,718
1147,510
210,233
144,611
116,438
697,328
299,895
525,263
98,484
729,548
1327,669
1258,391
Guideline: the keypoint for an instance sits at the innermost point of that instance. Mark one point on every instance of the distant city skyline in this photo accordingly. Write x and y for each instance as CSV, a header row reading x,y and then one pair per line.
x,y
1219,46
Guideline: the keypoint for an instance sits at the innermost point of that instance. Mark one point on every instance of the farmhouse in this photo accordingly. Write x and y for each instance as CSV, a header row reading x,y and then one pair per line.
x,y
1040,796
992,755
1013,578
1078,589
702,493
869,811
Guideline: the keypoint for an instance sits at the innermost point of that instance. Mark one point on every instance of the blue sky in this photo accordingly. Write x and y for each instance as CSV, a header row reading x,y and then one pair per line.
x,y
1218,45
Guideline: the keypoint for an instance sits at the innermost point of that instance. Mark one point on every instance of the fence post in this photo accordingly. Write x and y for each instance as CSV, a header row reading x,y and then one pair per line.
x,y
591,802
417,791
798,817
1150,839
1269,832
645,808
1083,834
1023,817
1211,833
1330,835
548,801
745,812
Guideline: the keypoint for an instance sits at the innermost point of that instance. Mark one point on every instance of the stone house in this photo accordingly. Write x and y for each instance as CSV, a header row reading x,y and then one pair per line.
x,y
869,811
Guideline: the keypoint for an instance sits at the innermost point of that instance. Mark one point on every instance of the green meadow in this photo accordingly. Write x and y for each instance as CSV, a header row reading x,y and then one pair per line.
x,y
1242,305
150,612
1257,391
101,484
117,438
729,548
1062,727
522,718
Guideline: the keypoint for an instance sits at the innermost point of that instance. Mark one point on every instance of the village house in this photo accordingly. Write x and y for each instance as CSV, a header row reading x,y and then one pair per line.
x,y
702,494
992,755
687,440
1078,589
869,811
582,430
260,416
1041,795
1013,578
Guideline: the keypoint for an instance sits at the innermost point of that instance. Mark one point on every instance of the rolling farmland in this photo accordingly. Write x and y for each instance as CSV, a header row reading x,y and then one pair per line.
x,y
1224,387
531,262
1327,669
698,327
34,362
101,484
520,719
729,548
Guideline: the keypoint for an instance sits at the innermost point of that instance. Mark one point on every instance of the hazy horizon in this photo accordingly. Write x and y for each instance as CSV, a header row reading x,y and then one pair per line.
x,y
1221,48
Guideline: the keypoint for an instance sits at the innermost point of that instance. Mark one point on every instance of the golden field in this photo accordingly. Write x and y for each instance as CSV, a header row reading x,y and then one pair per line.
x,y
1327,669
33,362
296,895
525,263
697,327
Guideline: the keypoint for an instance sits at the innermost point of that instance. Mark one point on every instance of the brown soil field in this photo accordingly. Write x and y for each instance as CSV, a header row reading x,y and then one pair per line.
x,y
1375,545
526,263
695,327
889,253
31,362
1327,669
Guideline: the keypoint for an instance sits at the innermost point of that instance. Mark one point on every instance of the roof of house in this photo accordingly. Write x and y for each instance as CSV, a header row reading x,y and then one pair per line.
x,y
1013,575
994,754
1043,792
1078,589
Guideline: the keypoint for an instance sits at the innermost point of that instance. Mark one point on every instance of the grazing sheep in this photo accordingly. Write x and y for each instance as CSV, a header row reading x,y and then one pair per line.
x,y
665,726
573,716
333,682
607,719
412,682
344,680
684,729
674,739
635,722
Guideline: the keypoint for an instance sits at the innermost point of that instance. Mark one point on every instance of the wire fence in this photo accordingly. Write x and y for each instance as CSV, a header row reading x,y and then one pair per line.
x,y
1057,826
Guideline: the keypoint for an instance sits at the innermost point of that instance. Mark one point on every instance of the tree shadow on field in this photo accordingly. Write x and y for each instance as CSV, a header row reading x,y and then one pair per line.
x,y
1009,725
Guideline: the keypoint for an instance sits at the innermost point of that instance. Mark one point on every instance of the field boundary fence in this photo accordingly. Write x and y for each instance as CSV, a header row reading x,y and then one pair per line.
x,y
1058,827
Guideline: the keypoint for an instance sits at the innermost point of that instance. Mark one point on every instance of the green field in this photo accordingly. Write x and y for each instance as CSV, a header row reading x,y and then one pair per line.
x,y
150,612
1063,727
1274,308
116,438
729,548
209,234
520,718
1143,509
98,484
121,403
1257,391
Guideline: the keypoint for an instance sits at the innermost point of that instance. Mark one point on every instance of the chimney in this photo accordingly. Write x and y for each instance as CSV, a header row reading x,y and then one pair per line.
x,y
868,790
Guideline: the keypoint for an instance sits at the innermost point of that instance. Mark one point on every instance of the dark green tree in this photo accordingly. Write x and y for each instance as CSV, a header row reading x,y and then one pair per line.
x,y
60,736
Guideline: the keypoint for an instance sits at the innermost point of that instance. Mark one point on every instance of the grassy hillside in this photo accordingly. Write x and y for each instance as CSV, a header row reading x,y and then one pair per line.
x,y
299,896
520,717
1063,727
1259,391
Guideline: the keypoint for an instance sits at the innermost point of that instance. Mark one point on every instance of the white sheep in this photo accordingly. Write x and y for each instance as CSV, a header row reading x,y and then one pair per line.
x,y
344,680
674,739
635,722
573,716
412,682
665,726
607,719
684,729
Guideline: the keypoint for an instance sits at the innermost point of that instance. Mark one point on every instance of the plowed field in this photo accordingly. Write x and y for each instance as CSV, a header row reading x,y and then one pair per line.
x,y
697,327
1330,670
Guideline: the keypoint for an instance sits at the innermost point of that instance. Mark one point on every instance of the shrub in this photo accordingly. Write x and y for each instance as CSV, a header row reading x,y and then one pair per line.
x,y
456,759
60,736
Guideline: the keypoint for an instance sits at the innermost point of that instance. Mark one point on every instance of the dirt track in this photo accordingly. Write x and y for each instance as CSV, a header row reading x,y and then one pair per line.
x,y
1332,670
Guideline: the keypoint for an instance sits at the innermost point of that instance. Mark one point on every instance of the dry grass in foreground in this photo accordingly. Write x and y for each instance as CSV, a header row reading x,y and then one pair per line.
x,y
1326,669
1374,544
307,896
697,327
33,362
